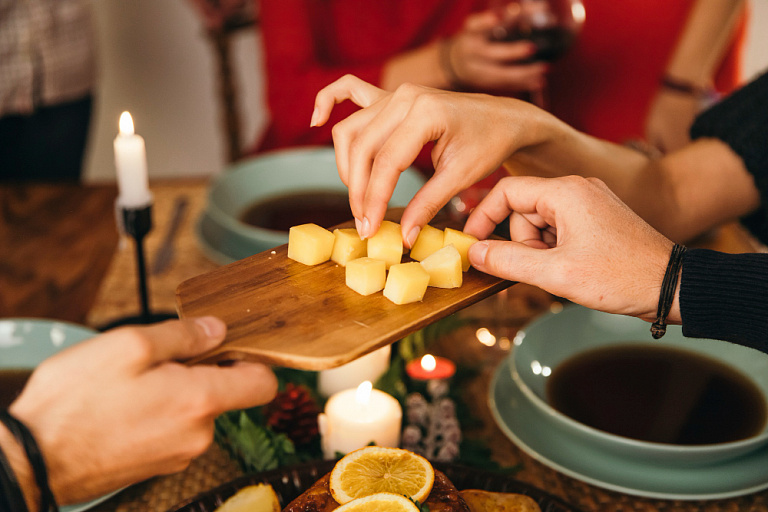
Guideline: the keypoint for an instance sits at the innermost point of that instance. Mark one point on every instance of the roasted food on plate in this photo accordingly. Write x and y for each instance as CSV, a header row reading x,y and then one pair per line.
x,y
444,497
253,498
374,469
486,501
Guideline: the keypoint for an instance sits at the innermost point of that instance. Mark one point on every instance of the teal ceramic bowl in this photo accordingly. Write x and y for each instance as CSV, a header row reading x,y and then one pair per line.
x,y
224,237
27,342
556,337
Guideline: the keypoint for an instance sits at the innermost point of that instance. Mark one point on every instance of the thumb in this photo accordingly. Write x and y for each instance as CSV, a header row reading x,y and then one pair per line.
x,y
513,261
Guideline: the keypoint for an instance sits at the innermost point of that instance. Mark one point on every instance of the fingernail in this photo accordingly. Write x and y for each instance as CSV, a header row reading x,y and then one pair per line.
x,y
313,121
366,231
413,235
359,227
213,327
478,252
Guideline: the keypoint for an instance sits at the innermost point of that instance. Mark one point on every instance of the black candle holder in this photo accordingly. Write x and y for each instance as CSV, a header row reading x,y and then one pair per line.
x,y
137,223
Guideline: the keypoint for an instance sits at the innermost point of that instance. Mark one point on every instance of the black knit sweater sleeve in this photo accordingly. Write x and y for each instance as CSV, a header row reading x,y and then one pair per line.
x,y
725,297
741,121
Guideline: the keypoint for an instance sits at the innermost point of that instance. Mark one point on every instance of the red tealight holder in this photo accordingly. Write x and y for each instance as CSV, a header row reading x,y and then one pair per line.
x,y
430,367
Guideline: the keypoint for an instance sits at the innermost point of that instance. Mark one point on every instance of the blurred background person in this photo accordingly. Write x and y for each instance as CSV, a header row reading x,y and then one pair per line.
x,y
641,70
47,77
634,63
308,44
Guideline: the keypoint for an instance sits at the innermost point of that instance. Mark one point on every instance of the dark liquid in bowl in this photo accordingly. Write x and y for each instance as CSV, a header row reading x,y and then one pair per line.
x,y
279,213
658,394
12,381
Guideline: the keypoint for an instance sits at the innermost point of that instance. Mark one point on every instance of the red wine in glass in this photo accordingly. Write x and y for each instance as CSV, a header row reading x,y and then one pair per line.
x,y
551,42
551,25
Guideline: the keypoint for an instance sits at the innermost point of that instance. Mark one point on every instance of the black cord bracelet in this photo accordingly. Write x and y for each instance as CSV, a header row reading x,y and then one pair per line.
x,y
668,287
11,496
35,457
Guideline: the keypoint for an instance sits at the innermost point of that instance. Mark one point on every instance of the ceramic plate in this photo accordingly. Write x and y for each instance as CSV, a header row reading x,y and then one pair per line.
x,y
290,482
26,342
525,425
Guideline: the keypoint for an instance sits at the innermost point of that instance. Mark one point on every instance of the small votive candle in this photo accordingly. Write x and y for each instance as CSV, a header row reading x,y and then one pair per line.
x,y
430,367
368,367
355,418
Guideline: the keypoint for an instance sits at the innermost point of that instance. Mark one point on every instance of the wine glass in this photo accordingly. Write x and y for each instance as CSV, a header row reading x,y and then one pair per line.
x,y
551,25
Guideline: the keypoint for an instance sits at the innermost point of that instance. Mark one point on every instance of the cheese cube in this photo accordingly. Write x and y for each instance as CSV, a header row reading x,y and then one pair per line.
x,y
406,283
310,244
347,246
444,267
387,243
366,275
462,242
429,240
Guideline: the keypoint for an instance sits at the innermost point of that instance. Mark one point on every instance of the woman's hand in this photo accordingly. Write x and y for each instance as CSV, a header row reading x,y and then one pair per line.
x,y
574,238
120,408
473,135
481,64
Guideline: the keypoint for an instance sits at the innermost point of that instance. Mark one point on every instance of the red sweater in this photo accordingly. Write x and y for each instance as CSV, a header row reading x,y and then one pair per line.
x,y
310,43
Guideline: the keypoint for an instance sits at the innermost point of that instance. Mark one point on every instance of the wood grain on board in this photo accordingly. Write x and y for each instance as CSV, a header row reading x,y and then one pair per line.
x,y
289,314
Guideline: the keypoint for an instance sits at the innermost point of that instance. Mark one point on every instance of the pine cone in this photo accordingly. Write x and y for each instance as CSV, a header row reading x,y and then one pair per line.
x,y
293,412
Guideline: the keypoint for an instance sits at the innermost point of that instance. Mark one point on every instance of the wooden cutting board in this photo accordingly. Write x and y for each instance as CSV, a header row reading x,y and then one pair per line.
x,y
285,313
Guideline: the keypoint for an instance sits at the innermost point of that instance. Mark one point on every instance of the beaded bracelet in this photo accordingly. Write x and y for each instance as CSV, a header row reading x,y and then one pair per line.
x,y
668,288
35,457
11,496
706,96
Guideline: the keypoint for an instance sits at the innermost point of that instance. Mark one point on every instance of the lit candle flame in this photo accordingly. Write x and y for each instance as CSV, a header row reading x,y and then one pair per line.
x,y
429,363
485,337
578,12
126,124
363,394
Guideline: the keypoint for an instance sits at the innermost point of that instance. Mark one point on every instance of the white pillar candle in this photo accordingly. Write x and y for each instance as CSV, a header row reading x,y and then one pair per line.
x,y
131,165
368,367
354,418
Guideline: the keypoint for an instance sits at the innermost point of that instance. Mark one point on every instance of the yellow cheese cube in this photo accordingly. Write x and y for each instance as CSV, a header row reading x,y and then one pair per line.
x,y
348,246
462,242
406,283
366,275
310,244
444,267
387,243
429,240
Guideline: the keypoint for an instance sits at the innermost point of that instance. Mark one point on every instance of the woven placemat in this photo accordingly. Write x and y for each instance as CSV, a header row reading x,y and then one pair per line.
x,y
118,294
117,297
210,470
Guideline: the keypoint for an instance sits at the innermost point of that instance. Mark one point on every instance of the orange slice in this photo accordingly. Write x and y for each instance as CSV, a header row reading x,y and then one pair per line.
x,y
376,469
380,502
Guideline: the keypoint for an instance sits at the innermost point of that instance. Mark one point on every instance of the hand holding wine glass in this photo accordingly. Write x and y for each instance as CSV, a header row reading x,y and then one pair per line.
x,y
550,25
474,62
